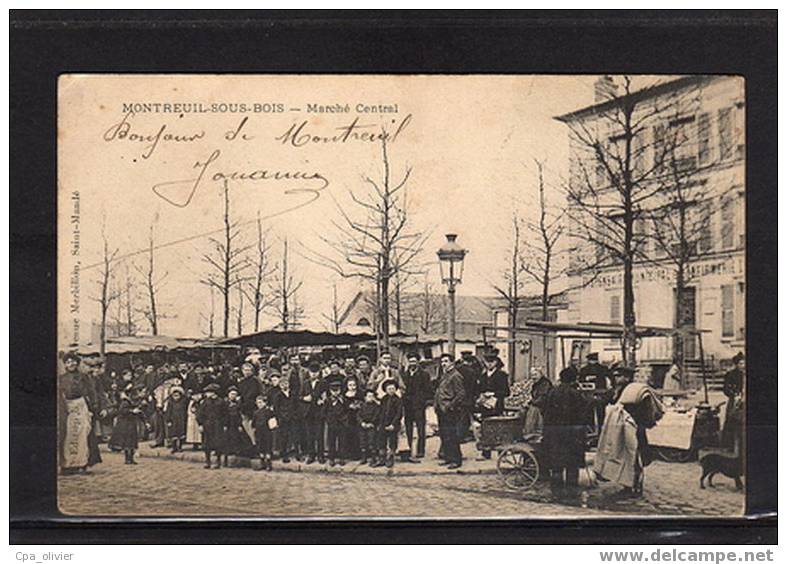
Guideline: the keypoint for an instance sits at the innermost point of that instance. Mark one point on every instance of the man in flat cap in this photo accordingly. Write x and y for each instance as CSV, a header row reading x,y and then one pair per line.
x,y
594,379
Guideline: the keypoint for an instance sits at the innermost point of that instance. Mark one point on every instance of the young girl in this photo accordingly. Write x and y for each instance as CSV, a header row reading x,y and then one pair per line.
x,y
125,435
175,415
264,421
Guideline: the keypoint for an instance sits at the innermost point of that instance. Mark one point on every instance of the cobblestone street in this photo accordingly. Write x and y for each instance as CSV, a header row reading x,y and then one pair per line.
x,y
162,486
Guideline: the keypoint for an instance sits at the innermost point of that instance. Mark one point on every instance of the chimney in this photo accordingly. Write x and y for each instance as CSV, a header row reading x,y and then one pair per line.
x,y
604,88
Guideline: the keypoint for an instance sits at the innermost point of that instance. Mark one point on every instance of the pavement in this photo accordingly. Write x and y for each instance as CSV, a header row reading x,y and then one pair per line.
x,y
163,484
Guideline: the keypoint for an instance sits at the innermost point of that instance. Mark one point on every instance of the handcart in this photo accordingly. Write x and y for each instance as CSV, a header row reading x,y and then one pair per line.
x,y
517,453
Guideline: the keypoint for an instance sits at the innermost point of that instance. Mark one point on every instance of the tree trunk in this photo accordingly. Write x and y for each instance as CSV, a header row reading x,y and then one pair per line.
x,y
679,354
227,256
512,318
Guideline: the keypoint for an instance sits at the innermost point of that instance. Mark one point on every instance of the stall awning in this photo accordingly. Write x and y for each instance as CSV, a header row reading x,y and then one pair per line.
x,y
147,343
607,328
300,338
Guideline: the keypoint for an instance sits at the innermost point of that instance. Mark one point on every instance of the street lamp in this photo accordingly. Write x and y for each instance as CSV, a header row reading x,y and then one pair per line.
x,y
452,258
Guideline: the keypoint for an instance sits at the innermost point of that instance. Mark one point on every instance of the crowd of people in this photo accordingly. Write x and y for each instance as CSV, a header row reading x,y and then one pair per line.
x,y
278,407
283,406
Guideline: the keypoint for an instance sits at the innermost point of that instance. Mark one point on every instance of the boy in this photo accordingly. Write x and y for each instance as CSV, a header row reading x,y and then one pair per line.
x,y
312,400
212,418
369,419
390,421
284,407
175,415
264,422
335,420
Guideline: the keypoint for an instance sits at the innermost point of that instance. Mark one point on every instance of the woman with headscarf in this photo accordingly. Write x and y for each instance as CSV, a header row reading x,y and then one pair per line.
x,y
534,417
623,450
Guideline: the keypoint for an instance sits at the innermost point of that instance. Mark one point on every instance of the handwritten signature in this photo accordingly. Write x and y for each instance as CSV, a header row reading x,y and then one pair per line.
x,y
169,190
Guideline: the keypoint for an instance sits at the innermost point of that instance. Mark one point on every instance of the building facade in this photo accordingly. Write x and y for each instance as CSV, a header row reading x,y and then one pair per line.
x,y
705,133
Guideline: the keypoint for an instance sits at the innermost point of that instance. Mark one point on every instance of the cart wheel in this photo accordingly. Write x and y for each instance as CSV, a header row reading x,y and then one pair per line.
x,y
518,468
674,454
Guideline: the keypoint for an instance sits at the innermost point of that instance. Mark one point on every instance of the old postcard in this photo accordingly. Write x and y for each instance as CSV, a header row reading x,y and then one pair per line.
x,y
338,296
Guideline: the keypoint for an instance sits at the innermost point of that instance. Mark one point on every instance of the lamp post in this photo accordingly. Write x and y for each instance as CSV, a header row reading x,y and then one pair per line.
x,y
452,258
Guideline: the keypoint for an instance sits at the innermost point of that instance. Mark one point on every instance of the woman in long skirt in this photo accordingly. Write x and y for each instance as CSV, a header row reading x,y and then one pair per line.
x,y
74,419
193,433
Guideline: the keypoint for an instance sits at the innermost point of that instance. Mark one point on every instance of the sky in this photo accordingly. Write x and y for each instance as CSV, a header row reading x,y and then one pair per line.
x,y
470,142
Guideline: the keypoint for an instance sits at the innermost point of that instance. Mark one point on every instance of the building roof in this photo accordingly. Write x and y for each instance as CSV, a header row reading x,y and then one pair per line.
x,y
637,96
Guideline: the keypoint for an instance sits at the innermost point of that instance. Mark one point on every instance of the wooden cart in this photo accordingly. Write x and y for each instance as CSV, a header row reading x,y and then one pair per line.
x,y
517,460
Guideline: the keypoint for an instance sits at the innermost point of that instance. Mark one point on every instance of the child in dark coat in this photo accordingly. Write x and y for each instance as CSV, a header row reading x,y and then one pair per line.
x,y
368,421
125,434
390,421
264,422
237,442
212,417
284,407
335,422
175,414
354,399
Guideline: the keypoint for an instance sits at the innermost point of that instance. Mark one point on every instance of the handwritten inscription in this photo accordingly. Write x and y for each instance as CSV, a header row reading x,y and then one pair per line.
x,y
180,192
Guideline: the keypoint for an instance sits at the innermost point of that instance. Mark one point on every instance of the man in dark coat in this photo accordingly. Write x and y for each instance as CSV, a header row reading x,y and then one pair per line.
x,y
565,415
313,395
733,389
285,406
470,368
595,379
492,388
418,392
212,417
249,387
449,402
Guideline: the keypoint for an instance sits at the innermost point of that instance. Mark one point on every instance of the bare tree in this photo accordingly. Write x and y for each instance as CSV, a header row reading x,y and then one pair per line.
x,y
210,318
334,316
512,289
285,290
106,293
227,261
615,164
261,269
239,309
430,309
680,221
152,308
540,261
376,243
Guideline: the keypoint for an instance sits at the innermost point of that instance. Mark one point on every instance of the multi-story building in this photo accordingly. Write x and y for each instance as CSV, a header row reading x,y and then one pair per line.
x,y
704,127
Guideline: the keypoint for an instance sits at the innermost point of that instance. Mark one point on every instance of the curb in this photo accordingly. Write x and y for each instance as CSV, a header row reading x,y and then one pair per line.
x,y
352,468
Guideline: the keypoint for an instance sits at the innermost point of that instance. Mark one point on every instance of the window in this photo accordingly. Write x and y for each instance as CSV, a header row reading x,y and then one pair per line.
x,y
642,236
728,224
658,147
725,134
614,309
680,139
728,310
614,315
703,138
704,229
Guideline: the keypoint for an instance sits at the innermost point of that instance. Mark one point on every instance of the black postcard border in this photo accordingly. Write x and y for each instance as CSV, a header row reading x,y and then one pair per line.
x,y
47,43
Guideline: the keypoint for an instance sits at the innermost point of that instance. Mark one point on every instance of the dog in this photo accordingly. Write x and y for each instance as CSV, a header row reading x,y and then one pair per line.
x,y
721,461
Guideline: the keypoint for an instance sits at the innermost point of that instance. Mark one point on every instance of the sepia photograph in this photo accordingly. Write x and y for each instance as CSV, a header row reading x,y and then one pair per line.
x,y
476,296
